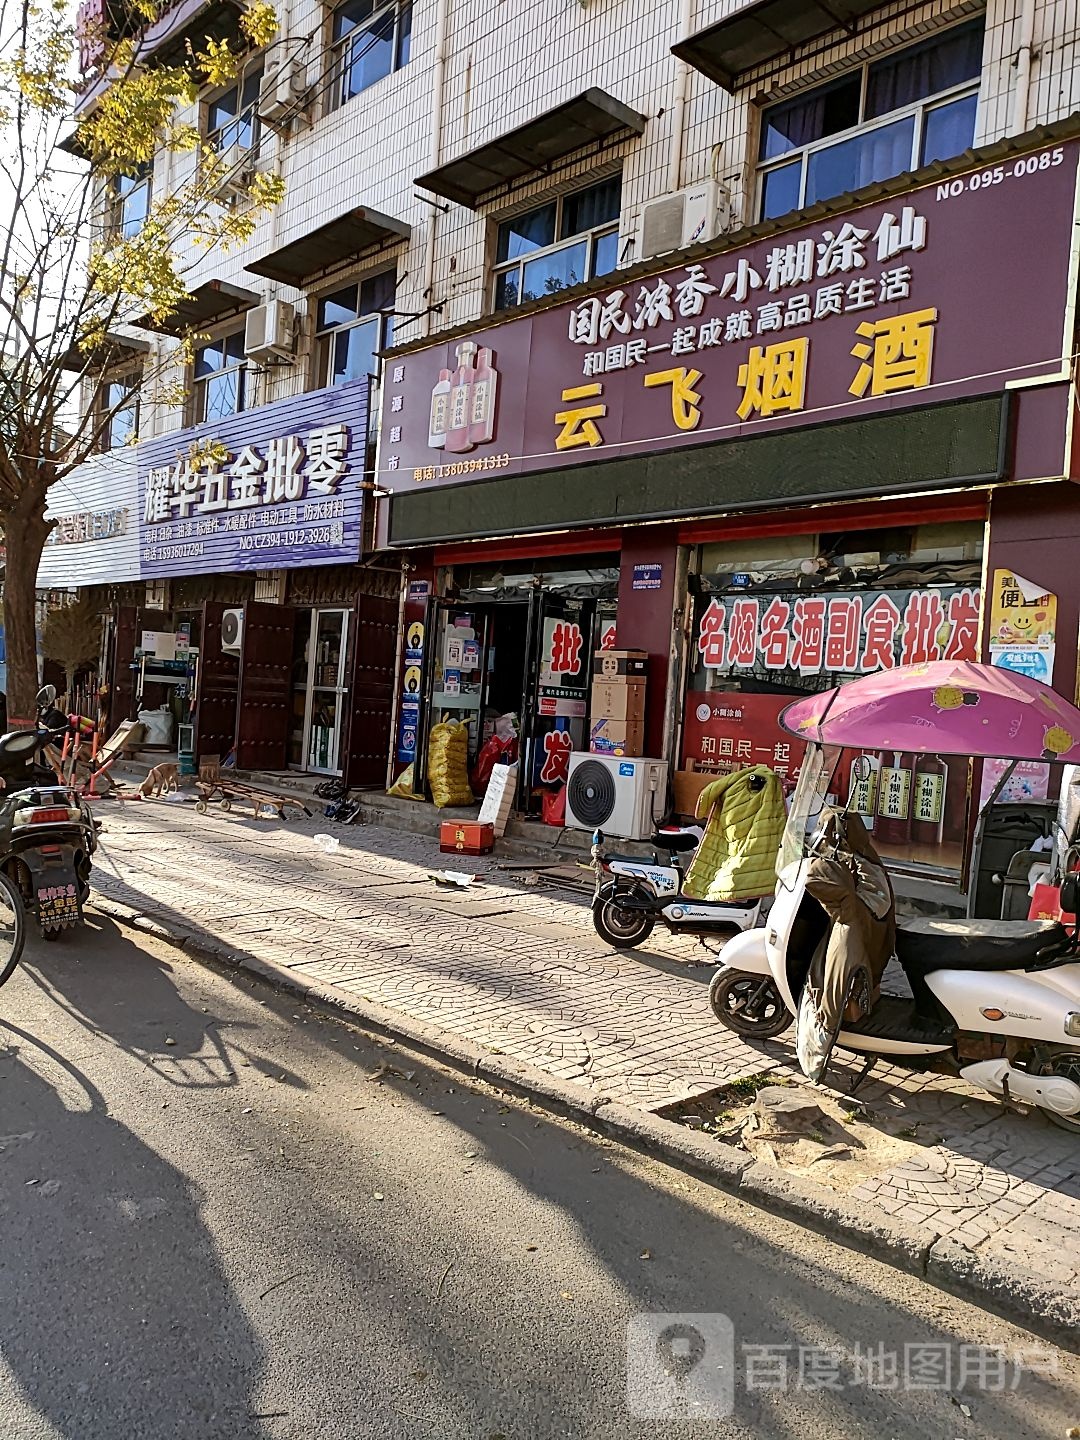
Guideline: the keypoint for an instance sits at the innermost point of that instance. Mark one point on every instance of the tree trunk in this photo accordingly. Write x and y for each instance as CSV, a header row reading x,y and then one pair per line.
x,y
25,533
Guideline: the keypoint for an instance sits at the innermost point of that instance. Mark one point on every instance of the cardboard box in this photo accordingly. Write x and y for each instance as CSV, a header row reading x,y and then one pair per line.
x,y
688,786
466,837
612,700
620,664
499,798
617,737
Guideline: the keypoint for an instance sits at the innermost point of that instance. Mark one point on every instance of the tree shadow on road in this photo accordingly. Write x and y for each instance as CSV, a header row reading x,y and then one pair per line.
x,y
116,1317
134,1003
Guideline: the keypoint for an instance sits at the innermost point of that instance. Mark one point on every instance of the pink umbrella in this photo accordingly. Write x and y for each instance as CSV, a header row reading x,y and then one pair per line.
x,y
944,707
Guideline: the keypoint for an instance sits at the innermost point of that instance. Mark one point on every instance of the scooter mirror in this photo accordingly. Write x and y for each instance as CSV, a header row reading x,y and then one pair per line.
x,y
1070,894
861,769
46,696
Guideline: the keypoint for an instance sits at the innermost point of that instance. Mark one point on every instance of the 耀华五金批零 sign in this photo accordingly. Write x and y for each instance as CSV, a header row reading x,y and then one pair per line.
x,y
277,487
925,297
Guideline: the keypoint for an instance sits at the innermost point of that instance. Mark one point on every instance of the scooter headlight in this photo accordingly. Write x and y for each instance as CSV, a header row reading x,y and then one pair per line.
x,y
1072,1023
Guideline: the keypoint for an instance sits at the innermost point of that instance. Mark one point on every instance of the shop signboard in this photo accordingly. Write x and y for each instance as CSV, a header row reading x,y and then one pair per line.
x,y
95,540
277,487
889,305
729,730
787,638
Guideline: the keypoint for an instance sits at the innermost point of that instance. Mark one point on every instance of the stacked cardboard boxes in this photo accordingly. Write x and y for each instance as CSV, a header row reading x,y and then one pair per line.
x,y
617,725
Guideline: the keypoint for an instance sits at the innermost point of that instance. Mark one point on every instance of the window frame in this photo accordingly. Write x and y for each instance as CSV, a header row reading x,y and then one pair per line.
x,y
339,68
500,268
254,70
323,348
132,380
919,110
200,383
117,203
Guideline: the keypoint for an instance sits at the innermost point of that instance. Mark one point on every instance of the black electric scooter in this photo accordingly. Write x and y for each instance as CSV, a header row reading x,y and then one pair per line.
x,y
47,831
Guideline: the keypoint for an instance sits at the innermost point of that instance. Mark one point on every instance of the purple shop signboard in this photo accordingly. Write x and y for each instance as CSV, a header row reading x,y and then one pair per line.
x,y
958,288
272,488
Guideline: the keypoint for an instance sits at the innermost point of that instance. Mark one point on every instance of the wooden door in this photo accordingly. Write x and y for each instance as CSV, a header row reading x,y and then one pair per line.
x,y
219,678
125,635
370,702
264,708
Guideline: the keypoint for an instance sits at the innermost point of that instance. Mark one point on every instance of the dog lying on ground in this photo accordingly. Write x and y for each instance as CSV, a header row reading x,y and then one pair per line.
x,y
163,777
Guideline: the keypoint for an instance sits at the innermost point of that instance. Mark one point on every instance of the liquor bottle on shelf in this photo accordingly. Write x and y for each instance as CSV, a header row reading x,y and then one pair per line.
x,y
440,411
928,800
894,801
457,425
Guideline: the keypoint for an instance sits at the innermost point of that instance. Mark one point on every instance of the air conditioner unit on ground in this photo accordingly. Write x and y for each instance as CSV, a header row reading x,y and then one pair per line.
x,y
238,167
282,90
232,631
270,331
688,217
620,795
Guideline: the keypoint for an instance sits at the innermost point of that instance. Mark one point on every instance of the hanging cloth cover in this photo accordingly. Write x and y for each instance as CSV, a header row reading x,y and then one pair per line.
x,y
847,879
736,859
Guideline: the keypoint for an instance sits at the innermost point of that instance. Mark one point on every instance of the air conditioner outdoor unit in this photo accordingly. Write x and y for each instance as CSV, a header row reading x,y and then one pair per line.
x,y
621,796
688,217
283,89
232,631
270,331
238,167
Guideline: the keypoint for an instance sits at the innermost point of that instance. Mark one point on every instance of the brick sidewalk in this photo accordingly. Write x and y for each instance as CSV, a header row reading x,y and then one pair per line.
x,y
522,971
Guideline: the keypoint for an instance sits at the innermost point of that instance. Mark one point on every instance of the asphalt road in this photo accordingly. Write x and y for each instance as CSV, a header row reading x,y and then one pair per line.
x,y
227,1215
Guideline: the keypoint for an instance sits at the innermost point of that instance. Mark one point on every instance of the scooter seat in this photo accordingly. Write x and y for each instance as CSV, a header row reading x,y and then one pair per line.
x,y
925,945
675,841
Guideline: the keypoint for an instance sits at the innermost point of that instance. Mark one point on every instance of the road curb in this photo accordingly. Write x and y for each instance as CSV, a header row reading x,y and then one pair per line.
x,y
1008,1290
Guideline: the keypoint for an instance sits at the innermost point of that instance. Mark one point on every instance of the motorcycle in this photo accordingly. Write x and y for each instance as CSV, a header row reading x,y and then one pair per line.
x,y
632,894
994,1002
47,831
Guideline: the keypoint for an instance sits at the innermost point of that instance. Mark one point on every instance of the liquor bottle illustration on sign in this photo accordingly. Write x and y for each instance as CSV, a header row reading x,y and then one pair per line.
x,y
440,411
457,427
482,409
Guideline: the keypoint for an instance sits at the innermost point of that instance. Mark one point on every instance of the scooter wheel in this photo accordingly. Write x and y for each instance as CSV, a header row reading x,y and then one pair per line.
x,y
751,1005
621,928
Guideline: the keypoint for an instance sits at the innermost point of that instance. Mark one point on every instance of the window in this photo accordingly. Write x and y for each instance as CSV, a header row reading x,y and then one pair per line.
x,y
233,119
220,375
370,39
129,201
118,409
351,330
562,243
890,115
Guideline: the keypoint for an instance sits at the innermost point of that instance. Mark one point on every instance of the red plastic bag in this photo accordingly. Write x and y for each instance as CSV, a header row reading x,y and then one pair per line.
x,y
553,806
491,752
1046,904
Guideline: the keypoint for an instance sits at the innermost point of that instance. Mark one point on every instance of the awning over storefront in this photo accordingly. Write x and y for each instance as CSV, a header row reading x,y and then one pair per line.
x,y
763,31
356,230
213,301
591,116
110,351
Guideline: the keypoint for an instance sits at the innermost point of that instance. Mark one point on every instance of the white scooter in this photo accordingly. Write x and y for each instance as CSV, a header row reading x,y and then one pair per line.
x,y
995,1002
632,894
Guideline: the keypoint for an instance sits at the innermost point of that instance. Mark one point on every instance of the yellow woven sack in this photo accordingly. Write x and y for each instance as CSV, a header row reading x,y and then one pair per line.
x,y
448,765
403,786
